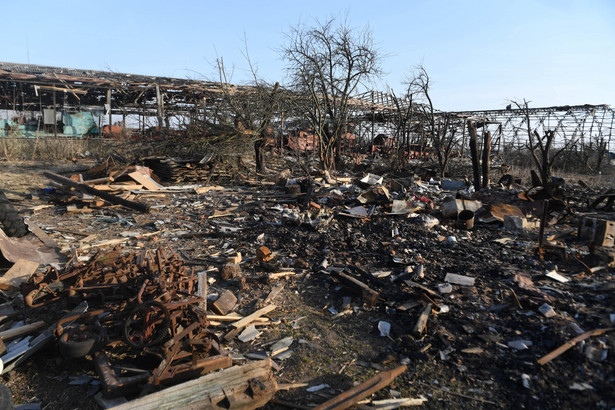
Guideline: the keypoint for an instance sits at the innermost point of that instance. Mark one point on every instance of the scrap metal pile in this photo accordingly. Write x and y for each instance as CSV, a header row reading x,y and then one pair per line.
x,y
139,305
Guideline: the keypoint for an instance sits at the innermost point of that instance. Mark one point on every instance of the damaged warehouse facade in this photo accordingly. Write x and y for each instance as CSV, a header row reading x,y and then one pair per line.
x,y
43,102
302,289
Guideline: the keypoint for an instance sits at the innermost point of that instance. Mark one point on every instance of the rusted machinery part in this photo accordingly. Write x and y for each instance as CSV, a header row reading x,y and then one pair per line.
x,y
43,295
147,325
60,326
82,340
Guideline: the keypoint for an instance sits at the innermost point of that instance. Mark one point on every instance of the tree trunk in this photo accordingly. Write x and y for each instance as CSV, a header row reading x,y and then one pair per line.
x,y
601,152
337,153
474,154
486,157
441,164
545,171
259,146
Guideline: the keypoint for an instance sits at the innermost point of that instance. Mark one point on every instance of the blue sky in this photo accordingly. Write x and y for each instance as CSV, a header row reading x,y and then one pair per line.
x,y
479,54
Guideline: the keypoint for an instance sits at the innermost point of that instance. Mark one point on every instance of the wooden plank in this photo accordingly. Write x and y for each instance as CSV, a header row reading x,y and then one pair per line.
x,y
422,322
73,209
213,322
42,235
274,292
563,348
121,240
18,273
363,390
86,188
145,180
21,330
99,181
231,317
278,275
413,284
205,189
248,319
118,187
88,238
234,385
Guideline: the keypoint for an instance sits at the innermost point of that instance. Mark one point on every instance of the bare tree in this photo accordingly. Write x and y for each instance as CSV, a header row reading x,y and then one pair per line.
x,y
403,120
540,146
242,114
441,129
326,64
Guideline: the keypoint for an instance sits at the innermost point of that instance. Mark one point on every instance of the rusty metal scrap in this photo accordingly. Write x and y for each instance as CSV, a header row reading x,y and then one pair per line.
x,y
114,386
144,301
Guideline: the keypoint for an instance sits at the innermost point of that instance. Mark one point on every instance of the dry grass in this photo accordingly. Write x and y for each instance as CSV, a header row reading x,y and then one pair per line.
x,y
45,149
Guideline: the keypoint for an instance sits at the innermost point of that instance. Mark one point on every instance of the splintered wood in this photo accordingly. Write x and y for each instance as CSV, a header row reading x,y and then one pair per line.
x,y
247,387
240,324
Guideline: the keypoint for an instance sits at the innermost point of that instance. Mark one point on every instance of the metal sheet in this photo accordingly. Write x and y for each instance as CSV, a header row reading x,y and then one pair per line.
x,y
29,247
48,117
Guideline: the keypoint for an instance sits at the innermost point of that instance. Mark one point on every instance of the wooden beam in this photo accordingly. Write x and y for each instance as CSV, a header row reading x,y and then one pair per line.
x,y
145,180
369,295
240,324
243,387
250,318
363,390
422,321
21,330
66,90
90,190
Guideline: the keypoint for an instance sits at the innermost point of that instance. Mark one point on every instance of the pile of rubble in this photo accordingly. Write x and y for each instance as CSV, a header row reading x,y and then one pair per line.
x,y
487,286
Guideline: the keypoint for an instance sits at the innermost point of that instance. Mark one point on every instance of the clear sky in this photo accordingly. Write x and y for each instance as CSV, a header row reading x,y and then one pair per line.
x,y
479,54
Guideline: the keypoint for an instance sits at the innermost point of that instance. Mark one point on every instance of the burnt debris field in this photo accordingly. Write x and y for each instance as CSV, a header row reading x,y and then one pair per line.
x,y
286,289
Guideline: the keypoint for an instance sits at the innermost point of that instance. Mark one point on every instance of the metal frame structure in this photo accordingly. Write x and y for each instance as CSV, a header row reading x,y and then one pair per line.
x,y
581,125
26,88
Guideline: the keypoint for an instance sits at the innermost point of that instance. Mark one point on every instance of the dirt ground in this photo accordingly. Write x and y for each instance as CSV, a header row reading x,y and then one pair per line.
x,y
463,358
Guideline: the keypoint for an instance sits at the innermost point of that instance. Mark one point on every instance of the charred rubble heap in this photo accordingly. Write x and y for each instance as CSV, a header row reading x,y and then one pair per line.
x,y
136,294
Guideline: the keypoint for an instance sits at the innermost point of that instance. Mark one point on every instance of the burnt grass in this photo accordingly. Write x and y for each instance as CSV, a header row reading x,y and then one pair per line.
x,y
344,350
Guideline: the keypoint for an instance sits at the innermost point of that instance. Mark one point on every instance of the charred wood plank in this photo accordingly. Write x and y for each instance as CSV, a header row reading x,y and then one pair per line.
x,y
365,389
369,295
90,190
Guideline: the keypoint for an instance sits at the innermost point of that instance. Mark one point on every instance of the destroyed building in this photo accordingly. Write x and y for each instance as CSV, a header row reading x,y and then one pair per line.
x,y
297,289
